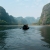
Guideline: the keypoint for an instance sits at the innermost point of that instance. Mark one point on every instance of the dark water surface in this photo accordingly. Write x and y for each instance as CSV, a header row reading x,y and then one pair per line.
x,y
35,38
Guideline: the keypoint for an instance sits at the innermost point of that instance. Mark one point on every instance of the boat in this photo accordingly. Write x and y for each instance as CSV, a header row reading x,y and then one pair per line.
x,y
25,27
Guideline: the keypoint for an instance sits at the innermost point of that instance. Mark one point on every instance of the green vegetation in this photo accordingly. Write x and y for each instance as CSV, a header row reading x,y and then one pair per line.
x,y
45,16
6,19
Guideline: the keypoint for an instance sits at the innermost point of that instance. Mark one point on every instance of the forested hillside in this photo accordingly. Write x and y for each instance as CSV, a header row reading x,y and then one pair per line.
x,y
5,18
45,16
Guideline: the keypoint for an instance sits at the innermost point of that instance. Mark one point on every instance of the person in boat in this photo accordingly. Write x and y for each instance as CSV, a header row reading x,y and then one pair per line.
x,y
25,27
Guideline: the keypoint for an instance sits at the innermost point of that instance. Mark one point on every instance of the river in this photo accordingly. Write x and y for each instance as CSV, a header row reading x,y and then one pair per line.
x,y
35,38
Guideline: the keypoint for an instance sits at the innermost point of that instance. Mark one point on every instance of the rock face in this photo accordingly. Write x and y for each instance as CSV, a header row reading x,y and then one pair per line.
x,y
45,16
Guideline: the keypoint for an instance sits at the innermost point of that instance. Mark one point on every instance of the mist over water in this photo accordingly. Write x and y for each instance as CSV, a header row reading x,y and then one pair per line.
x,y
35,38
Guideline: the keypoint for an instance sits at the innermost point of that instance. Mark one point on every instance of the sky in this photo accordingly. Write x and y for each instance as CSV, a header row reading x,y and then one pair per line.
x,y
24,8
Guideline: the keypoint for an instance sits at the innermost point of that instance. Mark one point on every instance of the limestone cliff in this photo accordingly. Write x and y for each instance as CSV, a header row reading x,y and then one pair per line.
x,y
45,16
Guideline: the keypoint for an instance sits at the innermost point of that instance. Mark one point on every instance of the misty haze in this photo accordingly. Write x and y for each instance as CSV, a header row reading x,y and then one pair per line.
x,y
25,25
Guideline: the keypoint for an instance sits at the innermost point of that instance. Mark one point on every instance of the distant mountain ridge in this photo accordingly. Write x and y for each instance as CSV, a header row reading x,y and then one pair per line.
x,y
27,20
6,19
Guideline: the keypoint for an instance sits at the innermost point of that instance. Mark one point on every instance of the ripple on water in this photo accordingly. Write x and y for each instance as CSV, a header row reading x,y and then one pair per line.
x,y
18,39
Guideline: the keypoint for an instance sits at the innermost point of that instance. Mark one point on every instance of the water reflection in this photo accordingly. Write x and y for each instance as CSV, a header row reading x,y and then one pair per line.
x,y
45,32
2,39
35,38
5,27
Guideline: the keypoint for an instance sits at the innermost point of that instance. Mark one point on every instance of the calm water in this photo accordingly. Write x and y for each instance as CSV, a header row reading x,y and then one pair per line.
x,y
35,38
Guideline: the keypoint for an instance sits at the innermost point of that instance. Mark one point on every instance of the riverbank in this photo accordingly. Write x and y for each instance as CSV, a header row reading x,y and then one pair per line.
x,y
20,25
